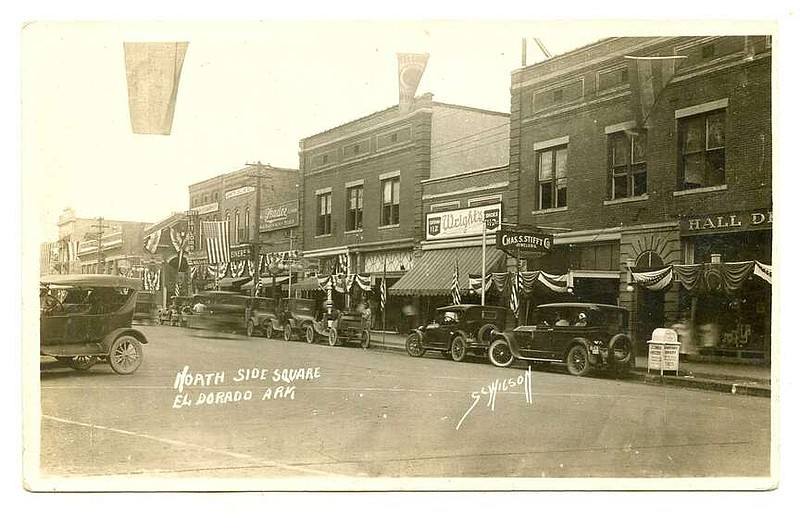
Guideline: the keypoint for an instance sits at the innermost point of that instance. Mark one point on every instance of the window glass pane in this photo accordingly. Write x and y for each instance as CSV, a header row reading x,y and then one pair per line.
x,y
693,136
545,166
387,192
545,195
692,171
396,191
640,181
639,151
561,162
619,149
715,162
561,195
620,186
716,130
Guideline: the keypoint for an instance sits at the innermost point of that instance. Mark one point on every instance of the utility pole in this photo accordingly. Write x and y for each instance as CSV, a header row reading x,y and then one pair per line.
x,y
256,241
99,235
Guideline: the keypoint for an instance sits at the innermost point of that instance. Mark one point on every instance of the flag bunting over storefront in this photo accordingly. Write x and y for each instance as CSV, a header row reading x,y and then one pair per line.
x,y
727,277
527,282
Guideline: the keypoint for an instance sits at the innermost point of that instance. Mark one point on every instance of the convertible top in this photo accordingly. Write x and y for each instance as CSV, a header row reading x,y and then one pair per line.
x,y
92,280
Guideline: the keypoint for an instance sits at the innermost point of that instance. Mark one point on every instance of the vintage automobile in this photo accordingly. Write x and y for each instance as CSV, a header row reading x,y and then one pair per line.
x,y
302,317
349,328
457,330
87,318
145,312
581,335
262,316
222,311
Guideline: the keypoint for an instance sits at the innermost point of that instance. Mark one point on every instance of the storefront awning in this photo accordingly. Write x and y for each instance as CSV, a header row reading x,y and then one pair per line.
x,y
228,282
309,283
266,281
432,273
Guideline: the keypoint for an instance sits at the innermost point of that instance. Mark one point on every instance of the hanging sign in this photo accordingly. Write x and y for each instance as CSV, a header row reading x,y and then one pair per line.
x,y
514,241
280,216
727,222
239,191
463,222
205,209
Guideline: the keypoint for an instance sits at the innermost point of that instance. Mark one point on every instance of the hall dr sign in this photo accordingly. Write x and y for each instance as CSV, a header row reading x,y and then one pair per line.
x,y
728,222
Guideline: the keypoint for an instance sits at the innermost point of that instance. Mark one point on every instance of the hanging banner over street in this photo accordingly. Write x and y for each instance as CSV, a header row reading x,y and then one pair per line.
x,y
463,222
515,241
280,216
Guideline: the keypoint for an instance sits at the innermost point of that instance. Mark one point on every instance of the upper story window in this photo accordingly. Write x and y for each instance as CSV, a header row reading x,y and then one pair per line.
x,y
247,222
390,212
216,196
236,233
552,177
355,207
702,150
627,160
324,213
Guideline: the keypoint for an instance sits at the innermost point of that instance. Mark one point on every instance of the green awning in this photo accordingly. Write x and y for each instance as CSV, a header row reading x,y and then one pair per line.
x,y
432,271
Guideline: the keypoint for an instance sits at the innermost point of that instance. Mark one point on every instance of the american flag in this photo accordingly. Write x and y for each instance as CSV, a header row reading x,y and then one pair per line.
x,y
383,294
454,287
514,302
218,245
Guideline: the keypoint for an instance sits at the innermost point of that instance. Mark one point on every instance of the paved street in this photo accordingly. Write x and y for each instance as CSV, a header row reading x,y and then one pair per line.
x,y
371,413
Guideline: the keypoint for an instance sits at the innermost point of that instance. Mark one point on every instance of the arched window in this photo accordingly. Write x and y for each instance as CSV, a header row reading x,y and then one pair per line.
x,y
247,229
236,227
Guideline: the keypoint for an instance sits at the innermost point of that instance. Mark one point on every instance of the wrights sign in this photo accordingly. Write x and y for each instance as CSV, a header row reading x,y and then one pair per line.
x,y
514,241
463,222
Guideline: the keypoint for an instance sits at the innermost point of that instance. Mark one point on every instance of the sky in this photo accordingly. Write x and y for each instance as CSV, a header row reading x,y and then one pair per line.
x,y
249,91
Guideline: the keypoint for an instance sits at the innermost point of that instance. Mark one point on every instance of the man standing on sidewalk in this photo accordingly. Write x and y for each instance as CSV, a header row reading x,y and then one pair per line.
x,y
366,317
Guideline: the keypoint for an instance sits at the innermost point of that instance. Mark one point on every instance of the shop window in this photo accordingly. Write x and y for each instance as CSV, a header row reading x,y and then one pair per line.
x,y
355,208
702,150
324,214
552,177
390,212
627,160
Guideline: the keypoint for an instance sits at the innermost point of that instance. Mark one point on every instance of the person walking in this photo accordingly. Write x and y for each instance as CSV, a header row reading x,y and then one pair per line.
x,y
366,317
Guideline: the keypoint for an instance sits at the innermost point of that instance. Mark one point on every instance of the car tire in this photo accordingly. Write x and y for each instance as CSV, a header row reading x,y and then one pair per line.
x,y
333,337
287,332
311,336
125,355
620,353
577,360
82,362
365,339
485,333
500,353
414,345
268,331
458,349
250,328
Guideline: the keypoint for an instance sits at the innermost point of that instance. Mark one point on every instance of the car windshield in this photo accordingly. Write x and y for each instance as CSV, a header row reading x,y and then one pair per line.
x,y
448,317
85,300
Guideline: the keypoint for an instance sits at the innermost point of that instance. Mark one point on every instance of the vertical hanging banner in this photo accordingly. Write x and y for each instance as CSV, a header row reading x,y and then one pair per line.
x,y
153,71
410,68
649,76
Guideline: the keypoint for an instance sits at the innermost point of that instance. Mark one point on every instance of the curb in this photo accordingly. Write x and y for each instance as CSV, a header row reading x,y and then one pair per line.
x,y
734,386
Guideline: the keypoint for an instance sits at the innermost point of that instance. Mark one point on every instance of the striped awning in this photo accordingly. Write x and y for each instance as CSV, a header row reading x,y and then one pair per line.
x,y
432,273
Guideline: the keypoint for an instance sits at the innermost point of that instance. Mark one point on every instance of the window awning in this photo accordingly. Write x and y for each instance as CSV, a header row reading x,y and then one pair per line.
x,y
432,273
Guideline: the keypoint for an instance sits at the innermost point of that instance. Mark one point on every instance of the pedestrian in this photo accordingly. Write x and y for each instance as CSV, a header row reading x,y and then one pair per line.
x,y
366,317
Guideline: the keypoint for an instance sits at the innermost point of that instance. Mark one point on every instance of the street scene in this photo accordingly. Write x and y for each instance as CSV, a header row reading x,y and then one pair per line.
x,y
385,274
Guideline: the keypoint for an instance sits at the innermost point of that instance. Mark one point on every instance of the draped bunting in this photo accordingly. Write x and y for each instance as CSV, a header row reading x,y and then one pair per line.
x,y
237,268
179,241
655,279
688,275
705,277
527,281
152,241
475,283
217,271
343,283
363,282
763,271
152,280
514,300
557,283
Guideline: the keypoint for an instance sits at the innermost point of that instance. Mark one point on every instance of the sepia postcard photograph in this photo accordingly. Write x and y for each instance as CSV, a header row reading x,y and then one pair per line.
x,y
354,255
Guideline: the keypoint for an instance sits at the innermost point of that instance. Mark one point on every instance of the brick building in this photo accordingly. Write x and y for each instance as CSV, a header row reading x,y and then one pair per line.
x,y
362,183
689,180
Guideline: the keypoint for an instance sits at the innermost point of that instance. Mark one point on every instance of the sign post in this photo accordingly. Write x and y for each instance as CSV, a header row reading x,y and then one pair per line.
x,y
491,221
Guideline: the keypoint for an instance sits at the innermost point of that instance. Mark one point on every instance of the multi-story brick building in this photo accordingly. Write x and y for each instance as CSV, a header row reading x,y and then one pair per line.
x,y
691,182
362,182
232,196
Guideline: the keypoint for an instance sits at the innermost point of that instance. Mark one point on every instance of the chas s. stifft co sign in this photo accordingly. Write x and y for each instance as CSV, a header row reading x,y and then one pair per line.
x,y
515,241
462,222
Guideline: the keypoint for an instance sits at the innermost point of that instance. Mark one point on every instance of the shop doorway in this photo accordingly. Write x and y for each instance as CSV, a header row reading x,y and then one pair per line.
x,y
649,316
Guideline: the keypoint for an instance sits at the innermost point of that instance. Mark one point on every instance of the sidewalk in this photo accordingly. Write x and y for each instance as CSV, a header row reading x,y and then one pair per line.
x,y
732,378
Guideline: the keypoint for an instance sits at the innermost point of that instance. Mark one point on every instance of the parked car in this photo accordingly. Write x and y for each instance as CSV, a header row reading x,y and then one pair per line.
x,y
581,335
261,315
145,311
349,328
87,318
221,311
301,317
458,330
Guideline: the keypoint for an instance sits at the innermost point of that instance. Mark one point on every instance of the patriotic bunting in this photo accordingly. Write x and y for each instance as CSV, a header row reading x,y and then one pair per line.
x,y
218,245
383,293
152,241
514,300
654,280
237,268
152,280
454,287
763,271
728,277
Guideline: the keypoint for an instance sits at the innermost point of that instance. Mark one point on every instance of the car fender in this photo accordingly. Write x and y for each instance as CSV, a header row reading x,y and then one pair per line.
x,y
462,334
422,339
508,338
116,333
586,344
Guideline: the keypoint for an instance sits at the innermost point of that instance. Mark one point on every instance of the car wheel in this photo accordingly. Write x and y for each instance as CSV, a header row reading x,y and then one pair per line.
x,y
333,336
500,353
365,339
620,349
287,332
250,328
458,349
82,362
268,331
125,355
485,333
310,334
414,345
578,360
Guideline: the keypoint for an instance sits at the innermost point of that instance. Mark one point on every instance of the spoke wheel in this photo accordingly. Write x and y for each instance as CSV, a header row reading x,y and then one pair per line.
x,y
500,354
310,335
458,349
287,332
333,337
125,355
82,362
250,328
414,345
578,360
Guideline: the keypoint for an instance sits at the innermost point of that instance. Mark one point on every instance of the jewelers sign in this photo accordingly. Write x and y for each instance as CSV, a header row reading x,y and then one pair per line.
x,y
523,242
462,222
279,216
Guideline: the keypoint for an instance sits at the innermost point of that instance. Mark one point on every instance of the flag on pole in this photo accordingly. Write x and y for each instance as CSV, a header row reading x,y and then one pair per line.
x,y
648,77
410,68
153,71
152,240
454,287
514,302
218,246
